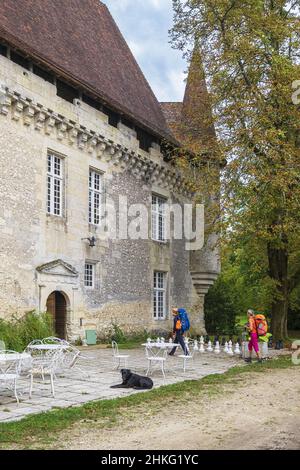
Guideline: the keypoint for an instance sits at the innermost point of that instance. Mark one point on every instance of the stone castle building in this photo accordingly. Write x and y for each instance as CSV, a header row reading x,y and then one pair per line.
x,y
79,125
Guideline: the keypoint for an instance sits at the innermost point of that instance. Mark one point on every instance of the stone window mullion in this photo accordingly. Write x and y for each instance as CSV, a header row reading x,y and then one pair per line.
x,y
55,185
159,295
95,197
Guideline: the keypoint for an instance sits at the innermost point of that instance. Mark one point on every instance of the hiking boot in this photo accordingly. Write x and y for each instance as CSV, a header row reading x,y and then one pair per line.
x,y
248,359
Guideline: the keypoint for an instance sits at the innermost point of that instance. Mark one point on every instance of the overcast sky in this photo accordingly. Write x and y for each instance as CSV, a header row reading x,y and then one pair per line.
x,y
145,25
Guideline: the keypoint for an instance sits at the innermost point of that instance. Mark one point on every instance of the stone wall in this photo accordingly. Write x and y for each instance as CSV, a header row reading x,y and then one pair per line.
x,y
31,241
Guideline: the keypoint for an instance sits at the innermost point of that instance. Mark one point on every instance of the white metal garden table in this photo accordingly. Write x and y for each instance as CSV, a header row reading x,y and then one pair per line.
x,y
13,357
11,363
24,359
156,353
47,347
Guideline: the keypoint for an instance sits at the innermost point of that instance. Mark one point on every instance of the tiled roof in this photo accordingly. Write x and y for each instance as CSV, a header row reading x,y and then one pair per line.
x,y
173,114
172,110
191,121
197,120
80,40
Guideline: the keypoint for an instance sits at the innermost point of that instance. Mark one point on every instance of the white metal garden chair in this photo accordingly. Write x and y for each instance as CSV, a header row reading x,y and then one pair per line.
x,y
48,366
187,358
117,357
39,356
71,355
10,369
158,359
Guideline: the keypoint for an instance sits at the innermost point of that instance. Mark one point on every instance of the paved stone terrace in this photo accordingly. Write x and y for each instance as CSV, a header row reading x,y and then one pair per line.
x,y
91,379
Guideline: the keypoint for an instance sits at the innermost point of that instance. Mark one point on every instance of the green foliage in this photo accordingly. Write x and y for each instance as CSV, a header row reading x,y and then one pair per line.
x,y
117,334
78,341
220,308
243,284
129,340
19,332
250,52
294,311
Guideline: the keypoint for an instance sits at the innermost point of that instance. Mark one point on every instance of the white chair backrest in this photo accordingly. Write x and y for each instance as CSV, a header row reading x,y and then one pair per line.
x,y
52,359
54,340
57,359
115,348
192,351
34,342
148,351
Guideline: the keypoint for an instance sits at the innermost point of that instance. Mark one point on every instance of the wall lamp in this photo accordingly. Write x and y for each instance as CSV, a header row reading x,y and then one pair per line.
x,y
92,241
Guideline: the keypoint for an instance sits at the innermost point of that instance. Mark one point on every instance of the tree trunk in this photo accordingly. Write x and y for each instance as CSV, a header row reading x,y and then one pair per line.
x,y
278,269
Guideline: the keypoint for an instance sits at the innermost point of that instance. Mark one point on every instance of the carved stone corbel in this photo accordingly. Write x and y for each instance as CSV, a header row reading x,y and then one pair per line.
x,y
82,139
91,144
72,135
125,160
110,151
144,169
40,118
5,102
50,124
100,149
28,113
17,110
117,157
61,127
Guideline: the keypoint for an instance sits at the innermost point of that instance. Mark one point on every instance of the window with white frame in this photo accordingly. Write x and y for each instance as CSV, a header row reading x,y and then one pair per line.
x,y
158,218
89,275
159,295
95,194
55,184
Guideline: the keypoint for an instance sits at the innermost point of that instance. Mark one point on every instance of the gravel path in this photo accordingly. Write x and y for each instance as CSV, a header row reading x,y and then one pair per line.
x,y
259,411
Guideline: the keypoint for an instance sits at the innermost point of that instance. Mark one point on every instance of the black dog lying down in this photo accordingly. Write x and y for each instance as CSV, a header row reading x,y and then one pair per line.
x,y
130,380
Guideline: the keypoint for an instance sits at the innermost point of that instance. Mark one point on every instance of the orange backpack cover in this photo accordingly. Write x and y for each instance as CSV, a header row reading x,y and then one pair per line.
x,y
261,325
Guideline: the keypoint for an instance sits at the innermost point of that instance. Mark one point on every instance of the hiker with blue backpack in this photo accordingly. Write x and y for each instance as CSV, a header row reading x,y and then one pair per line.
x,y
181,325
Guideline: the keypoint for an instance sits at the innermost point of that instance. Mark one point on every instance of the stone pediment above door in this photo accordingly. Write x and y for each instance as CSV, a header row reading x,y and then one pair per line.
x,y
58,268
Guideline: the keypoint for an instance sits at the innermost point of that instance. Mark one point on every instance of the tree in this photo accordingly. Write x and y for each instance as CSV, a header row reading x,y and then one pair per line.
x,y
250,51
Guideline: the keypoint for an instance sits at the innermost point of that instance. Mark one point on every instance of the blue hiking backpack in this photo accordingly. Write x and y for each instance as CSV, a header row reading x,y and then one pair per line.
x,y
185,322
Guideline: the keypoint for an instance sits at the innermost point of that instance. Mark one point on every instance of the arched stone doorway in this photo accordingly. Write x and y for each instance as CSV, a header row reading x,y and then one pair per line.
x,y
57,307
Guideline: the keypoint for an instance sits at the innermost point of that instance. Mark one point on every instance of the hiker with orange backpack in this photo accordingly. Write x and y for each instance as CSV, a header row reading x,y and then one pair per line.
x,y
181,324
256,328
